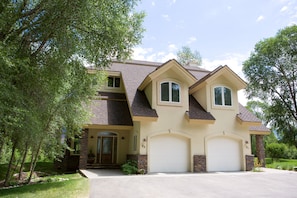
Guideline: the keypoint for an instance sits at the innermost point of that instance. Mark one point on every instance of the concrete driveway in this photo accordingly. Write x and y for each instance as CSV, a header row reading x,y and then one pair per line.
x,y
270,183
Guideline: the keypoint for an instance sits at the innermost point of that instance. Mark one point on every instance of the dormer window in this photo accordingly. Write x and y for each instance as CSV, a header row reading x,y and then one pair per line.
x,y
114,82
170,92
223,96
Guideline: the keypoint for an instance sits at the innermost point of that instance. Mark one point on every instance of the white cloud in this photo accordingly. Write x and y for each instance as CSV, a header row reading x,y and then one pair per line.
x,y
153,3
172,2
172,47
229,8
192,39
284,9
140,53
147,54
166,17
260,18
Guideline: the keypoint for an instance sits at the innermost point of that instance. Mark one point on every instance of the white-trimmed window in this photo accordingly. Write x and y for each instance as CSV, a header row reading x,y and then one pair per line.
x,y
222,96
170,92
113,82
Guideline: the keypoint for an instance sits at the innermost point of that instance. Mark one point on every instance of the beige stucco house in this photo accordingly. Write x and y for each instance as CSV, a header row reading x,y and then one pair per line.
x,y
170,118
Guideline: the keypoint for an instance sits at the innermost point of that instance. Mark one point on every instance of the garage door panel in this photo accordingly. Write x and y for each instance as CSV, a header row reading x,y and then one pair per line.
x,y
223,154
169,153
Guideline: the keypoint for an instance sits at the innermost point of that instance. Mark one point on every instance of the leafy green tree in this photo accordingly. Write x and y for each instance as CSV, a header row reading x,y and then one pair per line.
x,y
45,88
186,56
271,72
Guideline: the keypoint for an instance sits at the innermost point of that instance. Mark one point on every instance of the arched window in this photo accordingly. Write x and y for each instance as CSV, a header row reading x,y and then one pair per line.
x,y
223,96
170,92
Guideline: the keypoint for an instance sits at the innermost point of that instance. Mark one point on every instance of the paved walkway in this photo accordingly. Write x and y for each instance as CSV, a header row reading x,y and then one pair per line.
x,y
269,183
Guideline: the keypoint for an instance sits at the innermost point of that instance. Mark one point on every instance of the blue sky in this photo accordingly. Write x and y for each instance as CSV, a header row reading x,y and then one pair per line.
x,y
223,31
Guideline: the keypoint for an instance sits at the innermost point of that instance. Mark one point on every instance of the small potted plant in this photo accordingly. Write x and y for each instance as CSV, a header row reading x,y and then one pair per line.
x,y
91,157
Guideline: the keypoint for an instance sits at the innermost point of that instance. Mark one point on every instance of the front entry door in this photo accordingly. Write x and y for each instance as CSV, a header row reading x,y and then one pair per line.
x,y
106,149
106,154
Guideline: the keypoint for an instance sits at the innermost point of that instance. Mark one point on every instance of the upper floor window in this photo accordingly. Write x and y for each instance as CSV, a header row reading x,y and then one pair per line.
x,y
170,92
114,82
223,96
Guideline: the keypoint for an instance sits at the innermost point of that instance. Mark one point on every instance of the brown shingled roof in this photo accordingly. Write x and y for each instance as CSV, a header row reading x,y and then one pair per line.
x,y
112,109
247,116
133,73
260,128
141,107
196,111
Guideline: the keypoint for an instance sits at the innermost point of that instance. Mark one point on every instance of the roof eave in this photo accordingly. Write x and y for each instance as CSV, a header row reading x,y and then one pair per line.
x,y
198,121
255,132
247,123
145,118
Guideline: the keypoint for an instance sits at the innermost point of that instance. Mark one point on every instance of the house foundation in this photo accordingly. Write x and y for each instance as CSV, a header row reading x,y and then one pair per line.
x,y
141,161
199,163
249,160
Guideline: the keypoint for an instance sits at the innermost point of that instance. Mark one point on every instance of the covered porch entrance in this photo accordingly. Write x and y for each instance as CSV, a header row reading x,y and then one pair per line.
x,y
106,148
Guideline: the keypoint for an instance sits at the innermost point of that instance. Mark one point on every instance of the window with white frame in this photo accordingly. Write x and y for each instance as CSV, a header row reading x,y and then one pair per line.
x,y
170,92
222,96
113,82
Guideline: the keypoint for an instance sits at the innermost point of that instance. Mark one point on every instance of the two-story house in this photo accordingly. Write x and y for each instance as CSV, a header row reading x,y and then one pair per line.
x,y
170,118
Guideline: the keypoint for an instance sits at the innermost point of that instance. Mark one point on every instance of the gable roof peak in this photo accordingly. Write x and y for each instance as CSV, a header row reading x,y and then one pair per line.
x,y
172,63
220,70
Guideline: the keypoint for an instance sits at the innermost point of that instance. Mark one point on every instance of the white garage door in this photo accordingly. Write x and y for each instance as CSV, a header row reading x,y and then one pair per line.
x,y
169,153
223,154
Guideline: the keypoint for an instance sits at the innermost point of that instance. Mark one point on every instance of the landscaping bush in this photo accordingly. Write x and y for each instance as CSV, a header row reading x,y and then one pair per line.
x,y
130,167
268,160
276,150
291,152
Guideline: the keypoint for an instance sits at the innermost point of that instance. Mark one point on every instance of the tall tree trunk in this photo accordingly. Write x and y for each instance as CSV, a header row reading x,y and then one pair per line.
x,y
34,160
7,177
15,167
1,147
23,160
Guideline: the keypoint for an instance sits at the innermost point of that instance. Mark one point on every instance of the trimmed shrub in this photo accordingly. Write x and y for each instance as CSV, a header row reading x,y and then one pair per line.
x,y
130,167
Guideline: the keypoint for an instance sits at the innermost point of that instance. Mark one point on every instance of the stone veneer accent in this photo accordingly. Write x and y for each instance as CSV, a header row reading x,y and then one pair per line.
x,y
199,163
83,149
260,151
249,162
141,161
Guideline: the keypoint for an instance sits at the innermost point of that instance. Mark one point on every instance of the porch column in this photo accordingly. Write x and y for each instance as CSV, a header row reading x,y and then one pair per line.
x,y
83,157
260,150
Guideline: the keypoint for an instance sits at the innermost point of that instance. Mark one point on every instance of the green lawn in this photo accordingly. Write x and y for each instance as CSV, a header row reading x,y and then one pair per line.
x,y
70,185
284,164
55,184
